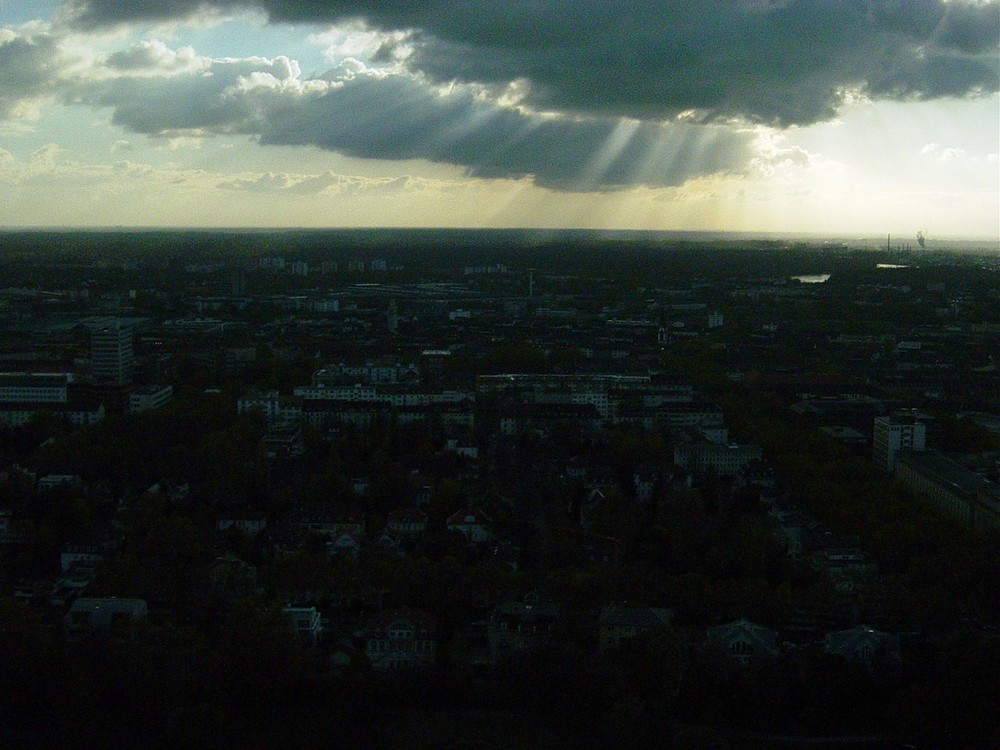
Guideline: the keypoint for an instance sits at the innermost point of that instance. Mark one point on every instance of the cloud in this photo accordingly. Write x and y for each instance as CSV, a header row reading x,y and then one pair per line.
x,y
355,40
955,154
31,65
778,62
402,117
589,95
329,183
52,168
45,156
370,113
775,157
155,58
265,183
211,97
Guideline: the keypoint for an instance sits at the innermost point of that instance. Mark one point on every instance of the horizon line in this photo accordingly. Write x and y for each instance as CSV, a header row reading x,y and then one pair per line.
x,y
736,233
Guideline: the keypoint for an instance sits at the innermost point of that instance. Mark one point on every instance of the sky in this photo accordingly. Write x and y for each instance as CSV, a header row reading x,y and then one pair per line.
x,y
846,117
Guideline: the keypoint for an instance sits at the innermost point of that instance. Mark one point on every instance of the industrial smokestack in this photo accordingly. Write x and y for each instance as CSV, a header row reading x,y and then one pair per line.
x,y
920,239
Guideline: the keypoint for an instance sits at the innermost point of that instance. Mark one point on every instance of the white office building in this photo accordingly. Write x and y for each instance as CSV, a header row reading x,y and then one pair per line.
x,y
900,431
111,352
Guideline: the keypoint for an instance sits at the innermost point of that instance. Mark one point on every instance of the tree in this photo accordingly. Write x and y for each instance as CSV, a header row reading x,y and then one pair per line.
x,y
30,667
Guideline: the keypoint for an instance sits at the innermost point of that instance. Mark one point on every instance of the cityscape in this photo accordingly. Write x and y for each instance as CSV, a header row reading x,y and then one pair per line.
x,y
498,489
500,374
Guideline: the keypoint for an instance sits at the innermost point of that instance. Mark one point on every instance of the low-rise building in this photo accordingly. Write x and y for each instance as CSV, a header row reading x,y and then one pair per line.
x,y
92,614
949,487
521,625
863,644
250,524
149,397
620,623
400,639
404,522
307,622
721,460
80,554
473,523
52,481
744,641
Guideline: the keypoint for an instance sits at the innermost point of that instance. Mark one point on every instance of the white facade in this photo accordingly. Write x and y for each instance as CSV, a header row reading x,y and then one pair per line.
x,y
149,397
35,388
111,352
896,433
723,460
24,394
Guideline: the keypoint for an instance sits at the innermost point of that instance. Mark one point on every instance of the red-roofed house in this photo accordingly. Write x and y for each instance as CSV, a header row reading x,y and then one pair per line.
x,y
473,523
406,522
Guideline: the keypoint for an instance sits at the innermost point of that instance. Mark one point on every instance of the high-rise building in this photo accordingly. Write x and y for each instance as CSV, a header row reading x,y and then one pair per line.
x,y
111,352
902,430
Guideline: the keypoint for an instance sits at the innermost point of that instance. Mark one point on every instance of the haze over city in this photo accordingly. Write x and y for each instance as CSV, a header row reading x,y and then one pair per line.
x,y
856,118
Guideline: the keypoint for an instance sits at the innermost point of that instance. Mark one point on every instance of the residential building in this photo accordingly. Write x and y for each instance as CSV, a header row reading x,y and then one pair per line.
x,y
284,441
948,486
24,394
307,623
330,525
521,625
34,388
400,639
863,644
345,545
745,641
80,554
645,481
88,614
722,460
473,524
619,623
249,525
274,408
52,481
988,508
403,522
149,397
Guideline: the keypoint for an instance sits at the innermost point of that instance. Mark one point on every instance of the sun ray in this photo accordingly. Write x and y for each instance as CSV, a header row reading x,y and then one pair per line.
x,y
605,158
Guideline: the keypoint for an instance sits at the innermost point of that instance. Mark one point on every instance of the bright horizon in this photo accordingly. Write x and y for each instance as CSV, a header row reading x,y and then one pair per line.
x,y
785,117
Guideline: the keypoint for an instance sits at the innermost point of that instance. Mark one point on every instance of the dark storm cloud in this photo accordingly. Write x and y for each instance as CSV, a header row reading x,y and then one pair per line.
x,y
399,117
203,102
359,112
29,68
774,61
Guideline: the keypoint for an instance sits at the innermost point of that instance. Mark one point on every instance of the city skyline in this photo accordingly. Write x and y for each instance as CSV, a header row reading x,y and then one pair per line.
x,y
748,116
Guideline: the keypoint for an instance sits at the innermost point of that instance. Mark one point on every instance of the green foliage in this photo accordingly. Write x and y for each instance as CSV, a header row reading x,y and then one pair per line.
x,y
133,452
951,569
29,666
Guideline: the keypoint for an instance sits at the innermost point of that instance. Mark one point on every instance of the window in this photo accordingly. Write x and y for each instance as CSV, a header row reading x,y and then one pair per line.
x,y
741,648
400,633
